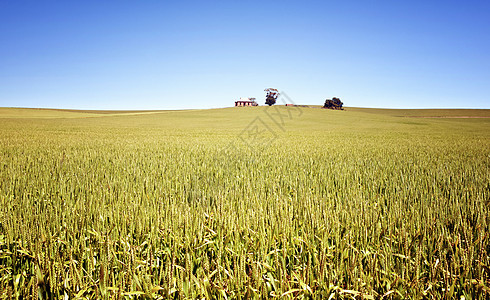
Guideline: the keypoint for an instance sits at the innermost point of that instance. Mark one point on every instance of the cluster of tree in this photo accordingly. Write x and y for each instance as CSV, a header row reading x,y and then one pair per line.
x,y
333,103
271,97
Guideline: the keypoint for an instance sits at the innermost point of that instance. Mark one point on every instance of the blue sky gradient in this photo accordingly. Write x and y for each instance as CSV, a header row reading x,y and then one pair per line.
x,y
207,54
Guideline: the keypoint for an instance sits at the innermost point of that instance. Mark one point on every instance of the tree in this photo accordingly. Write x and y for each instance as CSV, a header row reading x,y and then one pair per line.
x,y
333,103
271,97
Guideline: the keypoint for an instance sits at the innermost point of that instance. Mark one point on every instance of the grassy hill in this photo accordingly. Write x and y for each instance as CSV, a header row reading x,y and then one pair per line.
x,y
427,113
310,118
244,202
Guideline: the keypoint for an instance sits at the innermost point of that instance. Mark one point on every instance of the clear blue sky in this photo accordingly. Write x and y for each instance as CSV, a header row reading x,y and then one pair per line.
x,y
203,54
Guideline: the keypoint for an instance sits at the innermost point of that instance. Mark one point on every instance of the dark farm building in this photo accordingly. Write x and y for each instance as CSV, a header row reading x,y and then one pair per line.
x,y
246,102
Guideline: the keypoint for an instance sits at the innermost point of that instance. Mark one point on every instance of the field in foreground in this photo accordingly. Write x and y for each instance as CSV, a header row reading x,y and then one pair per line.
x,y
243,203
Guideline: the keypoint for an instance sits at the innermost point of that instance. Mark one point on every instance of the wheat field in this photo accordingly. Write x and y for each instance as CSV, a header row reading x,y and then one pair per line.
x,y
238,203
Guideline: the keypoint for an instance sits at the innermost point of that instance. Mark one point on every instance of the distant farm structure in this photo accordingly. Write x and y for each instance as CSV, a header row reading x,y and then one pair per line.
x,y
333,103
246,102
